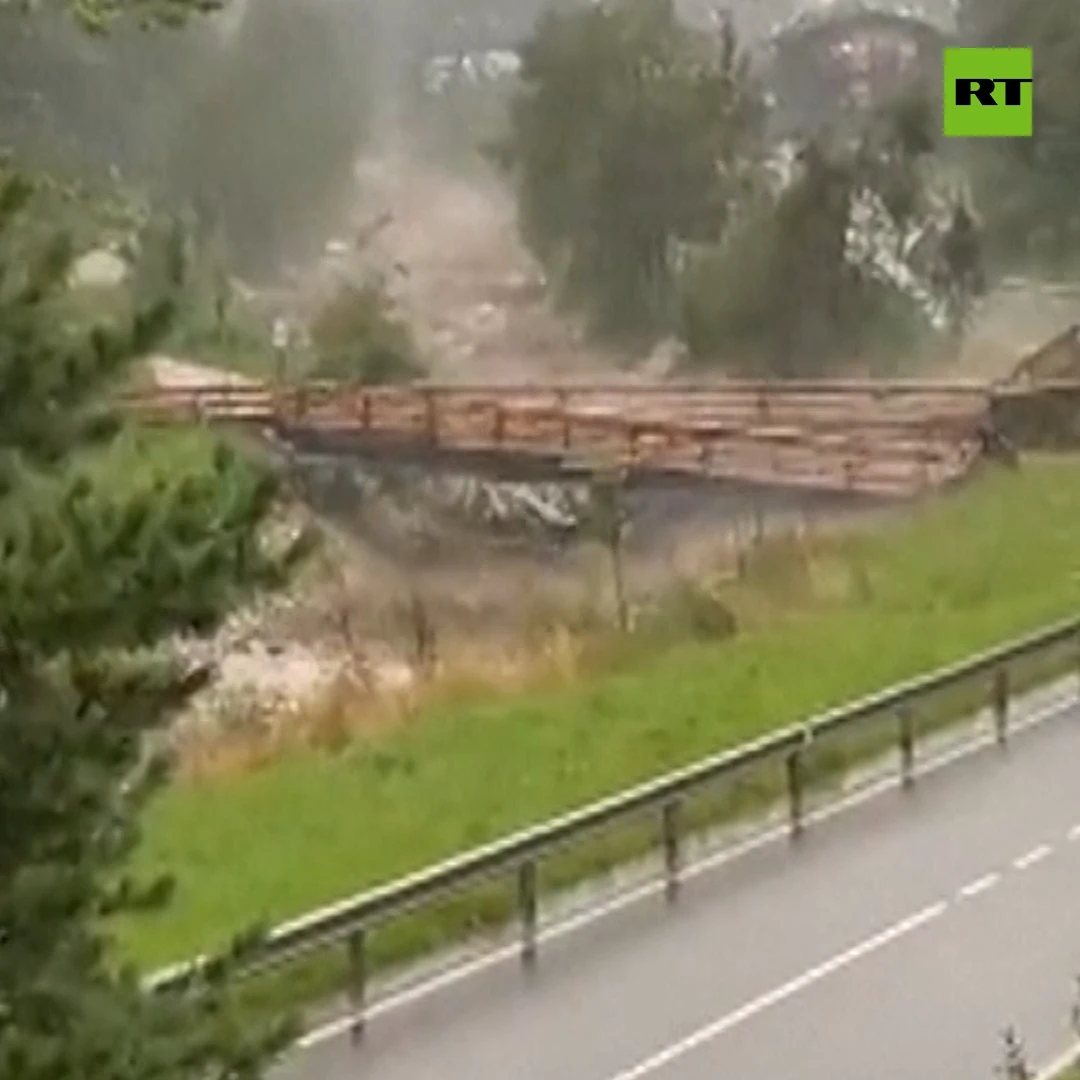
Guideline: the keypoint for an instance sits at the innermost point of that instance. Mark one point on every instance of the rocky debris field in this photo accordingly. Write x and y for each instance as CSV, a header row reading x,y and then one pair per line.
x,y
282,650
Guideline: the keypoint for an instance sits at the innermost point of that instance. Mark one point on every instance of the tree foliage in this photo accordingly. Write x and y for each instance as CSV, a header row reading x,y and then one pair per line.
x,y
103,97
110,538
99,16
648,190
782,292
626,136
1026,188
257,128
357,336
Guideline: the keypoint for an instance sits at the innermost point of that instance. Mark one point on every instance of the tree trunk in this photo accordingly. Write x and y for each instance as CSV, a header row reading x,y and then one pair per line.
x,y
622,613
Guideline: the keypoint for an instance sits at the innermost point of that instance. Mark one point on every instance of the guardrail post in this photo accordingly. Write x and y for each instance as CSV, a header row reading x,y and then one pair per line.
x,y
527,907
907,747
365,410
999,702
358,983
672,862
795,792
564,408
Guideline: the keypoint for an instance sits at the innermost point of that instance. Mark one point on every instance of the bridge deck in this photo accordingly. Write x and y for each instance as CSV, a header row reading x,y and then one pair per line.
x,y
882,439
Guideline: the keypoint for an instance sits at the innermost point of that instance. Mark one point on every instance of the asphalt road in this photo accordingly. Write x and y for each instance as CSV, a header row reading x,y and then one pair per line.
x,y
895,940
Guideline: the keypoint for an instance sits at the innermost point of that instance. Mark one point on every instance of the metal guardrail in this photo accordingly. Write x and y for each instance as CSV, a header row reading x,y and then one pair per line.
x,y
350,921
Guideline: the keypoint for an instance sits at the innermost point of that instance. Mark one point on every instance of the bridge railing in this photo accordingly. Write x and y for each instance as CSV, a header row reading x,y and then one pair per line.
x,y
350,922
922,408
891,440
913,405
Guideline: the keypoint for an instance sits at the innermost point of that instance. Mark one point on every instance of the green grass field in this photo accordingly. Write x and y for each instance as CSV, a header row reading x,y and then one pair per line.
x,y
961,574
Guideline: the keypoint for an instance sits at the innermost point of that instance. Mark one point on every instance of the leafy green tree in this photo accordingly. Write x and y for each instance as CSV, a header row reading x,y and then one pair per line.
x,y
102,97
357,336
110,538
780,293
101,15
626,137
894,146
257,131
961,273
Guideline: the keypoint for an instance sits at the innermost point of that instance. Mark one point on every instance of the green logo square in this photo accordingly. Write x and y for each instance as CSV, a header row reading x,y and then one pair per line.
x,y
987,92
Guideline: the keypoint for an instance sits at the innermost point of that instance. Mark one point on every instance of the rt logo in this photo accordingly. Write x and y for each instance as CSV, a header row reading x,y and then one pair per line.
x,y
987,92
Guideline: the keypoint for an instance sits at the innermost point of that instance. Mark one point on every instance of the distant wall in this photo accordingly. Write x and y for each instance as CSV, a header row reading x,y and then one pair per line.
x,y
820,67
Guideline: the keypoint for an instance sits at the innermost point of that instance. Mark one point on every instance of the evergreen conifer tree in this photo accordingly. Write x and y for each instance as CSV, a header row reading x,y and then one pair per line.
x,y
106,546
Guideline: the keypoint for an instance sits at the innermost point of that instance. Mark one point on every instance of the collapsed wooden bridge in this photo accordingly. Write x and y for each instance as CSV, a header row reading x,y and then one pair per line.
x,y
891,439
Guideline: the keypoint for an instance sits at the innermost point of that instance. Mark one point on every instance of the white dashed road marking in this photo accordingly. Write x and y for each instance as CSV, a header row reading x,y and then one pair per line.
x,y
781,993
979,885
802,982
460,972
1032,857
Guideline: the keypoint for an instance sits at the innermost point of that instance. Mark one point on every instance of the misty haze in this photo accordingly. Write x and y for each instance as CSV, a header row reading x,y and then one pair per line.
x,y
482,483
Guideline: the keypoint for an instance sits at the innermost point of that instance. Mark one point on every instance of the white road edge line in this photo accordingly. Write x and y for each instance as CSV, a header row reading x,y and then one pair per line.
x,y
1053,1070
1074,833
979,885
782,993
408,996
1032,857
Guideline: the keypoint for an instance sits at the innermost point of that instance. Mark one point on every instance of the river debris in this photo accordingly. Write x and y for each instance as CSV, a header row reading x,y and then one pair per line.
x,y
549,510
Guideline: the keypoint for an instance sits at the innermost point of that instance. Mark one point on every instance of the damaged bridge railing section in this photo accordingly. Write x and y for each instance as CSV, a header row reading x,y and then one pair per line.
x,y
349,923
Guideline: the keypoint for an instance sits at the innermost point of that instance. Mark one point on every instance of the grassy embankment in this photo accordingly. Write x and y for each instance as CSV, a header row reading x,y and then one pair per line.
x,y
819,624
